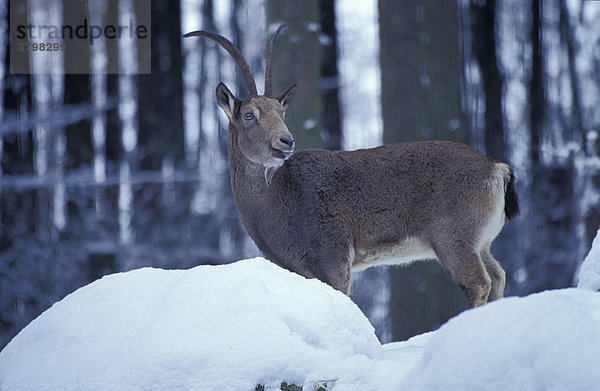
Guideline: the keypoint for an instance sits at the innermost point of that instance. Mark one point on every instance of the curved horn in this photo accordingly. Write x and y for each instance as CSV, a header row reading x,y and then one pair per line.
x,y
235,53
269,67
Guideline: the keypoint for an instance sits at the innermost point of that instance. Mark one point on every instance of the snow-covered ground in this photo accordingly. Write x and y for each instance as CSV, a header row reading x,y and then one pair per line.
x,y
589,275
235,326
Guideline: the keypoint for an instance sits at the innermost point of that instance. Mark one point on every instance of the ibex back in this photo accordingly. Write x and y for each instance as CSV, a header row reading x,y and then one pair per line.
x,y
323,214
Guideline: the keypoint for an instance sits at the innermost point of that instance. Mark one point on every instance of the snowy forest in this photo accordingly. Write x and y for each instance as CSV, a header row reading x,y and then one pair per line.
x,y
114,157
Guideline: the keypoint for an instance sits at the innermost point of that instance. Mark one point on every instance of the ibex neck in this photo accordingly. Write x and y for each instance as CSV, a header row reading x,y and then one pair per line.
x,y
244,170
252,186
264,207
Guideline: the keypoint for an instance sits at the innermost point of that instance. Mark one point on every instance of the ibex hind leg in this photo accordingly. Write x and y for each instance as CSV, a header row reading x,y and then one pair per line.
x,y
495,272
467,270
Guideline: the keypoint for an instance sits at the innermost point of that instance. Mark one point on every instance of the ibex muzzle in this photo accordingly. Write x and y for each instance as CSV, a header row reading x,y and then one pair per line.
x,y
322,214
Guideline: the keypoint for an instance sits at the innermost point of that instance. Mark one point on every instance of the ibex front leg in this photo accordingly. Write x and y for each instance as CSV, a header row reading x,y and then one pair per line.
x,y
336,272
331,263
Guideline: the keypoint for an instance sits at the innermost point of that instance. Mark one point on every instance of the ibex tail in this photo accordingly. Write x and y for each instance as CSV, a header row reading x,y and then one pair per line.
x,y
511,201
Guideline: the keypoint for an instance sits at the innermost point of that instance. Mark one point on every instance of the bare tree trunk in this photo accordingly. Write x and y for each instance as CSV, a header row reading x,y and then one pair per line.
x,y
330,79
298,60
3,47
483,41
160,116
591,218
421,72
536,86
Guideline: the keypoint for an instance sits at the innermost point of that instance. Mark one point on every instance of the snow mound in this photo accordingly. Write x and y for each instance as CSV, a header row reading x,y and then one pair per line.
x,y
208,328
589,275
546,341
235,326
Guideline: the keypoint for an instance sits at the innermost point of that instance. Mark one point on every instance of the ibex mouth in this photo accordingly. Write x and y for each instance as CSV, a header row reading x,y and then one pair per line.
x,y
282,154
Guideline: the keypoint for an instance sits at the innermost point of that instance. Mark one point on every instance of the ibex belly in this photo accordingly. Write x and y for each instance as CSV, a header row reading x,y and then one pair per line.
x,y
404,252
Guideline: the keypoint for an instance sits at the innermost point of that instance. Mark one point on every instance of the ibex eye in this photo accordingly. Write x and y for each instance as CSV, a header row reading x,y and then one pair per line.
x,y
248,116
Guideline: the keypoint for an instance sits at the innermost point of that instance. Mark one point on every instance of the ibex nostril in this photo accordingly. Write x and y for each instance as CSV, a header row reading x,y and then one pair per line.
x,y
287,141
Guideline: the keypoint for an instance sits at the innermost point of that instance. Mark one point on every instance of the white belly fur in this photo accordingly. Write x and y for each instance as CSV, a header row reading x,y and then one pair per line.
x,y
405,252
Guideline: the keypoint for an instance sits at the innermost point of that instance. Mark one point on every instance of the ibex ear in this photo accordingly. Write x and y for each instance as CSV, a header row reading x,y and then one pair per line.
x,y
226,100
287,96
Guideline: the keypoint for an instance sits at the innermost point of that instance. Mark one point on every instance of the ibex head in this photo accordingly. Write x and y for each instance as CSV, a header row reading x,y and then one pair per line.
x,y
256,123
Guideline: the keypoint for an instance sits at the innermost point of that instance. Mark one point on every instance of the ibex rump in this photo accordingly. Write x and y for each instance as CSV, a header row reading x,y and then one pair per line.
x,y
322,214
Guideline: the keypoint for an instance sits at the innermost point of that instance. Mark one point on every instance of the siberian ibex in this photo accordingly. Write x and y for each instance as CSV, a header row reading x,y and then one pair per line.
x,y
322,214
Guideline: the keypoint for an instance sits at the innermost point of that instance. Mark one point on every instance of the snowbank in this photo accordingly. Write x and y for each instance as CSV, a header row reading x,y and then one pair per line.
x,y
235,326
546,341
208,328
589,274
